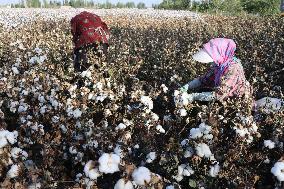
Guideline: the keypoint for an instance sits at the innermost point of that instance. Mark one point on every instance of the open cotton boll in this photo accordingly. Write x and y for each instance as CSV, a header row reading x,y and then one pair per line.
x,y
269,144
151,157
195,133
121,184
77,113
72,150
7,137
188,152
13,171
214,170
160,129
141,176
185,170
203,150
241,132
155,117
17,152
109,163
15,70
86,73
90,170
147,101
182,112
278,170
120,126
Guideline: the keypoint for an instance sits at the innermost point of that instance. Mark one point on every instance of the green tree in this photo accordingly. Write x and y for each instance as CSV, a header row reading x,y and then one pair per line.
x,y
130,4
263,7
141,5
120,5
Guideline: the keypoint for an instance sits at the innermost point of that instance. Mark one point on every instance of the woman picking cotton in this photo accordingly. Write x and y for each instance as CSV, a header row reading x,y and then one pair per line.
x,y
89,33
225,77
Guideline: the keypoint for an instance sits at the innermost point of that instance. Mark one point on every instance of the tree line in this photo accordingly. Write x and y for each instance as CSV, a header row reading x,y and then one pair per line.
x,y
75,4
261,7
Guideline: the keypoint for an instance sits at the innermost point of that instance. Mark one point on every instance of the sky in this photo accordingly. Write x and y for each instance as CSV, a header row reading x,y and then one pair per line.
x,y
147,2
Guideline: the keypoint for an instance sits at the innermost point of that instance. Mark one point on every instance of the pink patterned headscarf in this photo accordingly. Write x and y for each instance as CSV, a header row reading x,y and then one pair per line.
x,y
222,51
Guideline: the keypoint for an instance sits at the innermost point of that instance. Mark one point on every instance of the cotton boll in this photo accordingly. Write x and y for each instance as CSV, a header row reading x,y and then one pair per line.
x,y
77,113
155,117
14,171
120,126
120,184
208,137
109,163
278,170
195,133
90,170
63,128
241,132
188,152
17,152
72,150
141,176
203,150
15,70
12,137
160,129
182,112
151,157
214,170
269,144
147,101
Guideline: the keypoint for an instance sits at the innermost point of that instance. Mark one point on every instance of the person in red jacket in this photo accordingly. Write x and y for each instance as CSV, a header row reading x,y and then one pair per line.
x,y
89,33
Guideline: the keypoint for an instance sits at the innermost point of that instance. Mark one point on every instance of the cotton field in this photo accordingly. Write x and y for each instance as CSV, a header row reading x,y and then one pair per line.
x,y
124,123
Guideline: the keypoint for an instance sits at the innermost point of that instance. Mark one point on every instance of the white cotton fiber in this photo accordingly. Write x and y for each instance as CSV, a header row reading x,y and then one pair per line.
x,y
141,176
214,170
269,144
14,171
90,170
121,184
151,157
203,150
278,170
109,163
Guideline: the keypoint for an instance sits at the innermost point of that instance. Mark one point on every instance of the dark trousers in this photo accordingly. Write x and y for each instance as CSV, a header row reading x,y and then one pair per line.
x,y
81,62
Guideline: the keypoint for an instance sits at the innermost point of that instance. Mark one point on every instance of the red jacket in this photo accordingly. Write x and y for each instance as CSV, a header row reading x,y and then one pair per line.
x,y
88,28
